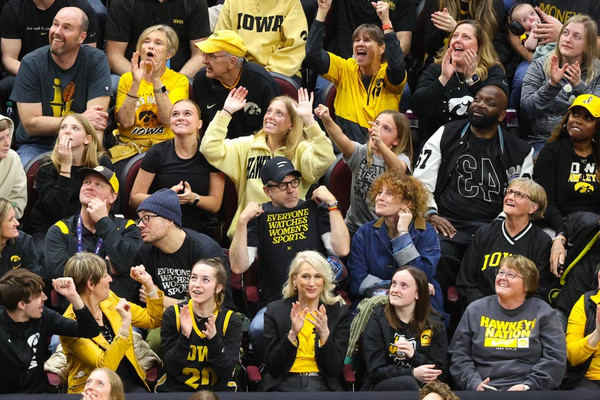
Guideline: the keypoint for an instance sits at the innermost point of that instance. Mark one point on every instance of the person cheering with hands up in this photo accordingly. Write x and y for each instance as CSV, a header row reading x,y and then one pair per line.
x,y
368,83
201,323
306,333
289,130
389,147
26,327
113,347
462,67
146,94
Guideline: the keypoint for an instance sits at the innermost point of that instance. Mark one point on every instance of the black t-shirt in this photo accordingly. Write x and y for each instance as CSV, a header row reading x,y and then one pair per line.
x,y
171,272
352,13
21,19
170,169
127,19
475,183
279,234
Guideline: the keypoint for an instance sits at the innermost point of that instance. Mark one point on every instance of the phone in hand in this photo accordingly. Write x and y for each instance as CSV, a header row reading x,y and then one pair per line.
x,y
485,386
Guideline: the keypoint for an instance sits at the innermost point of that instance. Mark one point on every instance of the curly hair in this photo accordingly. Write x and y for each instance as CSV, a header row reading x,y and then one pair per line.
x,y
405,187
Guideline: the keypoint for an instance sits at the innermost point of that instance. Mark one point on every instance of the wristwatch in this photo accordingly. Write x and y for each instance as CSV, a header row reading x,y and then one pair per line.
x,y
161,90
473,79
196,200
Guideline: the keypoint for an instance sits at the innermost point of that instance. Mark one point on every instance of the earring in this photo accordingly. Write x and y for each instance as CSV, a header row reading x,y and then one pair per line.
x,y
295,287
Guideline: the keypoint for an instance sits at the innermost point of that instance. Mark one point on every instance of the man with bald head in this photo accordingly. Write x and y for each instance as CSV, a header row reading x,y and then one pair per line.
x,y
61,78
467,165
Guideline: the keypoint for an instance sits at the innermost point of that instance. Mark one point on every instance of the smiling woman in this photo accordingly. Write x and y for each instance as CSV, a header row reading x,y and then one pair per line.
x,y
16,248
511,340
306,333
462,67
103,384
201,338
568,166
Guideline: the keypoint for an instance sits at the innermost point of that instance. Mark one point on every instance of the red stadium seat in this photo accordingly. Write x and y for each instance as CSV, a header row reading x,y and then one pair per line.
x,y
287,85
126,180
31,170
338,179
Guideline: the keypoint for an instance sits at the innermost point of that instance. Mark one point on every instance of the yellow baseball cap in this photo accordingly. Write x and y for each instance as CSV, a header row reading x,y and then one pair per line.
x,y
224,40
589,102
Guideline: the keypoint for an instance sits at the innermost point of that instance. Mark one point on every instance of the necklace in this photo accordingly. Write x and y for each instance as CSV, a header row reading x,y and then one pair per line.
x,y
457,77
184,154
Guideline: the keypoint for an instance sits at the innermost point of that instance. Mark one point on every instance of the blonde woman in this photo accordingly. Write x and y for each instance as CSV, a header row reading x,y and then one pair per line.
x,y
464,65
306,333
147,93
57,181
552,82
289,130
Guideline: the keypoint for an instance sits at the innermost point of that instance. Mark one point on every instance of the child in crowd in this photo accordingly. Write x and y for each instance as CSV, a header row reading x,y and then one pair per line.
x,y
389,147
522,20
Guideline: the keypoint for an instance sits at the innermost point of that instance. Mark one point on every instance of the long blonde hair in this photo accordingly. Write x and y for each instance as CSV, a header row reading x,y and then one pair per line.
x,y
296,134
479,10
321,265
91,152
590,53
486,54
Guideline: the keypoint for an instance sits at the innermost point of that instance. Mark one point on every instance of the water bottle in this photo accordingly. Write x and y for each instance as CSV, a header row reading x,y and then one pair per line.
x,y
10,112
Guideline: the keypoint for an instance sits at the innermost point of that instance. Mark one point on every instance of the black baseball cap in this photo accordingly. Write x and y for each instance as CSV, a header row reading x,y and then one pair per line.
x,y
276,169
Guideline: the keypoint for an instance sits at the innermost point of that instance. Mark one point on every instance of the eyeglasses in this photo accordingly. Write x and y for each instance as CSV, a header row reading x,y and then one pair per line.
x,y
510,275
211,56
284,185
518,195
145,219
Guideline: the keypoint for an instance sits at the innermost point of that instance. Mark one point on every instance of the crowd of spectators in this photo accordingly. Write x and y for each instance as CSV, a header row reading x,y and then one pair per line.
x,y
475,263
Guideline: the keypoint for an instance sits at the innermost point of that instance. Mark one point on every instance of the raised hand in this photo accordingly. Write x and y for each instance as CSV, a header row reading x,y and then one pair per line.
x,y
549,30
139,274
383,11
322,111
97,209
404,218
65,286
251,211
443,21
236,100
447,67
470,63
124,309
185,321
322,195
137,71
297,316
65,154
573,74
211,328
305,108
318,318
556,73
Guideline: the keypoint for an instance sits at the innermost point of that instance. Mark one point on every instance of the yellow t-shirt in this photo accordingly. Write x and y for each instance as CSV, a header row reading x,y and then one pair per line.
x,y
305,355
